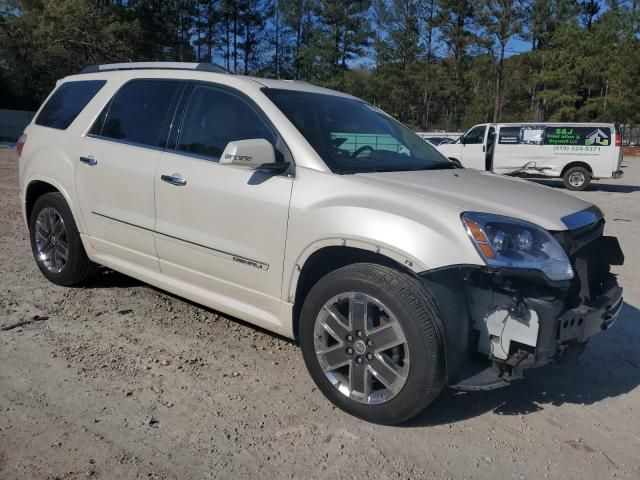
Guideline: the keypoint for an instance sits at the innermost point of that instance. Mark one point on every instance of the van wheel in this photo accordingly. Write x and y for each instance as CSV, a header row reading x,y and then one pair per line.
x,y
372,342
577,178
56,243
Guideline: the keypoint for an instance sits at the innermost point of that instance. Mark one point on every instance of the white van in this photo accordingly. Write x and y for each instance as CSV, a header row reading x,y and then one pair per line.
x,y
575,152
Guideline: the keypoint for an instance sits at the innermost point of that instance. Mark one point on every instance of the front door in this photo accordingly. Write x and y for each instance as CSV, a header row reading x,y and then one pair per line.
x,y
116,168
473,148
220,227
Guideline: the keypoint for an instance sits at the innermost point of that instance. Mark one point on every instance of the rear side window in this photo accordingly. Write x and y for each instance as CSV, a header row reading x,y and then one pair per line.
x,y
139,112
67,102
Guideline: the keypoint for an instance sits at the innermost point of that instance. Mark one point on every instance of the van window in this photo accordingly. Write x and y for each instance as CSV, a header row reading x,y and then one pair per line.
x,y
214,117
139,112
475,135
521,134
67,102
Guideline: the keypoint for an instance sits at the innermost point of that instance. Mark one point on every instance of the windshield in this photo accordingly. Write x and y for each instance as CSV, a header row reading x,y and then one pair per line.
x,y
352,136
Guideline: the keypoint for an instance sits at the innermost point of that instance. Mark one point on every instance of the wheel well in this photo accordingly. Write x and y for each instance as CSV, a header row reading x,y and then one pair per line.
x,y
576,164
325,261
34,191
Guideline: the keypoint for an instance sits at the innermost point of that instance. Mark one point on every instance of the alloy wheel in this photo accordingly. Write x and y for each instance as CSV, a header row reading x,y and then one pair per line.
x,y
51,239
361,348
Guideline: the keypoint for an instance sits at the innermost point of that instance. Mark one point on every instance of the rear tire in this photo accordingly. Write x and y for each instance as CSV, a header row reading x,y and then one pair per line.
x,y
56,244
577,178
388,371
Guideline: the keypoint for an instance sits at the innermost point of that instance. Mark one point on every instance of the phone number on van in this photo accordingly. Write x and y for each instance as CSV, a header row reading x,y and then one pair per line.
x,y
575,148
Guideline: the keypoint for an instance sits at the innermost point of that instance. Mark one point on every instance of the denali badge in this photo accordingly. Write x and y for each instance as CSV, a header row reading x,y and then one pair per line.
x,y
243,158
252,263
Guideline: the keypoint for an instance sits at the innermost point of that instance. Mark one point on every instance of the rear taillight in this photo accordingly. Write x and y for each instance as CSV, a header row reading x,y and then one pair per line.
x,y
20,144
618,140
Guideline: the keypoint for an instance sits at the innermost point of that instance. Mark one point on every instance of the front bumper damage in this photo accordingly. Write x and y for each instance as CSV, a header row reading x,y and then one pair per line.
x,y
500,322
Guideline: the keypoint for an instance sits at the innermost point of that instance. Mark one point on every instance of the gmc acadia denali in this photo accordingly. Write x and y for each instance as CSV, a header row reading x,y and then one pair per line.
x,y
317,216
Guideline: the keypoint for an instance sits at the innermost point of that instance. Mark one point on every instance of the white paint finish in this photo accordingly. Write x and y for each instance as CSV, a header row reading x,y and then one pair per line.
x,y
270,226
225,212
472,190
119,186
354,210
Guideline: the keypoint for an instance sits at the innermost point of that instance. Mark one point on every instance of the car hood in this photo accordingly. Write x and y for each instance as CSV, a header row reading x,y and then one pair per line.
x,y
474,190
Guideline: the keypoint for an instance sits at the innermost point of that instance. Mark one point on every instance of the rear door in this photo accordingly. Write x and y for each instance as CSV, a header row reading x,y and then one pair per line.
x,y
473,148
116,168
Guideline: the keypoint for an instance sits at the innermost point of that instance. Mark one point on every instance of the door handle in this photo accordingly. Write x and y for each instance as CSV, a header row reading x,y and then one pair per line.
x,y
89,161
174,179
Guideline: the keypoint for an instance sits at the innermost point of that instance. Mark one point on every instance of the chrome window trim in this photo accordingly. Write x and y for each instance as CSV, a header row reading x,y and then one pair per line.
x,y
126,142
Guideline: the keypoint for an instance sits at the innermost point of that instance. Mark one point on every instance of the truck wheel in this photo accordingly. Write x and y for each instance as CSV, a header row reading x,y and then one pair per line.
x,y
577,178
56,243
372,342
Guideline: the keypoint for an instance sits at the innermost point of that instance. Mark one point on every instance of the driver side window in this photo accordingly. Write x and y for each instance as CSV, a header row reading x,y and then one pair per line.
x,y
214,117
475,135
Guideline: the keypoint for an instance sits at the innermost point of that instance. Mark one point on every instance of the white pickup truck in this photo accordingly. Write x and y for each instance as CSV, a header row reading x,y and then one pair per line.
x,y
575,152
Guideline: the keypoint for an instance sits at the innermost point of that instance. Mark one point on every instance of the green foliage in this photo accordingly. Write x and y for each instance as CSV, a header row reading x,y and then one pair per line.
x,y
433,64
48,39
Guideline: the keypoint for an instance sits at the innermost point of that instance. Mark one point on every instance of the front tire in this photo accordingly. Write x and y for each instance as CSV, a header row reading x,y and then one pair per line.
x,y
55,242
372,341
577,178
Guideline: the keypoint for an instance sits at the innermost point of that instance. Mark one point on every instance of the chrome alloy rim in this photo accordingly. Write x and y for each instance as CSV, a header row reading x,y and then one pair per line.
x,y
52,243
576,179
361,348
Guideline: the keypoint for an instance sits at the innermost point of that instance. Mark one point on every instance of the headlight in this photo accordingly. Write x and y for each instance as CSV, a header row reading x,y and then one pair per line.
x,y
512,243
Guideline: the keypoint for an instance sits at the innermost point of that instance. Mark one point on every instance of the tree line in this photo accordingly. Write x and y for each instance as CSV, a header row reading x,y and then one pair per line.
x,y
433,64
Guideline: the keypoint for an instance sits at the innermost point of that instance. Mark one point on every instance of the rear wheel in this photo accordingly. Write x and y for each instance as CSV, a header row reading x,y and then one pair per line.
x,y
577,178
372,342
56,243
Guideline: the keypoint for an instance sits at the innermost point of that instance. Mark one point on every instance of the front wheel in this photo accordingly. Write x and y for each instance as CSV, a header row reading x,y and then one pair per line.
x,y
372,342
577,178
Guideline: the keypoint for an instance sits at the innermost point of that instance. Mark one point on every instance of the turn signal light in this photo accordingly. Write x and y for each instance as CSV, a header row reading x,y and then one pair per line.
x,y
480,238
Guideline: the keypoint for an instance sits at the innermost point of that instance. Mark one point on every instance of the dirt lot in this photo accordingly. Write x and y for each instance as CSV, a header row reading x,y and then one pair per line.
x,y
124,381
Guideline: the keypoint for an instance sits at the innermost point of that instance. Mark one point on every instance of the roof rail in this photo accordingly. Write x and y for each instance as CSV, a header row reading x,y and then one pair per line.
x,y
203,67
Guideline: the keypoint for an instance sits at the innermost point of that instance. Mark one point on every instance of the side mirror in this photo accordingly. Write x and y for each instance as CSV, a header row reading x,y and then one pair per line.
x,y
254,153
463,140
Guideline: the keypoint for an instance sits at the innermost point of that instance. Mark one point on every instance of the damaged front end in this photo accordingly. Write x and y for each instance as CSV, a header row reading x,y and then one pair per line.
x,y
500,321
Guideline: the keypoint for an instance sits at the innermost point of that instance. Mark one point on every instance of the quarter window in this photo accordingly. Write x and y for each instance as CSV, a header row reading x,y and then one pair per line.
x,y
139,113
67,102
214,117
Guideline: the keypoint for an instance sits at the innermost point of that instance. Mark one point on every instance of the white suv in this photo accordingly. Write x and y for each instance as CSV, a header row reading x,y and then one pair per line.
x,y
317,216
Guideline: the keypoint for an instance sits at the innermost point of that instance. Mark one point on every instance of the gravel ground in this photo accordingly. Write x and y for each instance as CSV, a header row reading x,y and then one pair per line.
x,y
123,381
